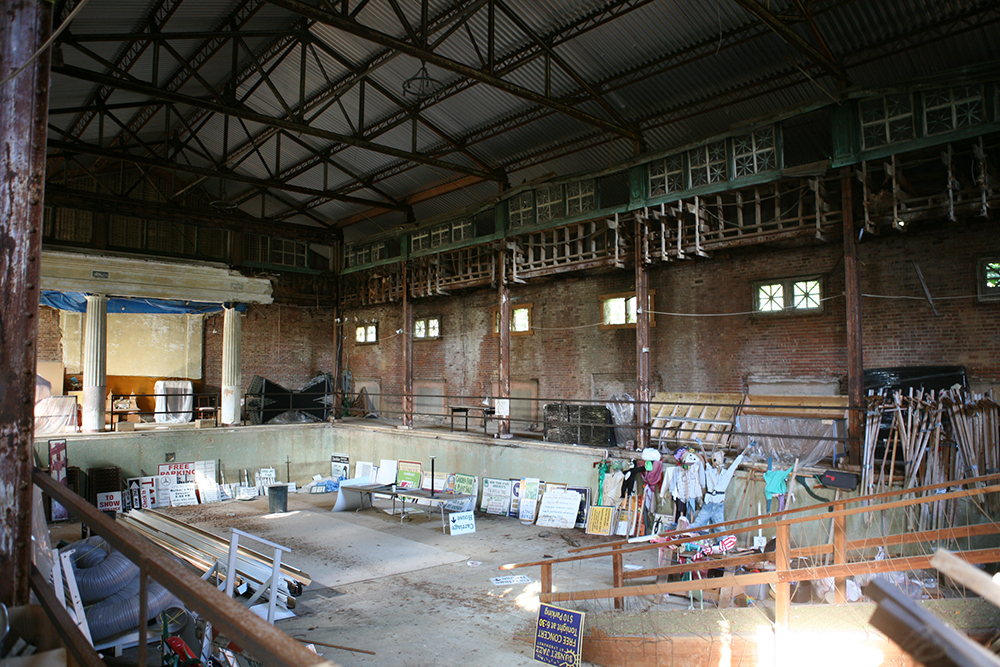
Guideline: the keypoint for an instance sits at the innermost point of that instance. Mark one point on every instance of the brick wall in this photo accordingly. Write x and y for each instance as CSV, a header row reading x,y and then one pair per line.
x,y
571,358
49,335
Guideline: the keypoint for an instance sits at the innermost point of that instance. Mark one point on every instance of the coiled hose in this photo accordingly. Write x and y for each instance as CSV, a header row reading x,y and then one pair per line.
x,y
111,581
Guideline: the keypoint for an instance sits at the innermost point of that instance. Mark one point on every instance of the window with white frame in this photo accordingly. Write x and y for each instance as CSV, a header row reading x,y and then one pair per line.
x,y
520,320
953,108
440,235
788,295
988,272
708,164
549,203
666,175
521,210
620,310
427,327
580,197
366,333
886,119
754,152
287,252
461,230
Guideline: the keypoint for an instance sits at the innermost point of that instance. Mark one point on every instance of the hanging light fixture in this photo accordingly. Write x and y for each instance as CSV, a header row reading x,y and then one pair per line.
x,y
222,203
421,84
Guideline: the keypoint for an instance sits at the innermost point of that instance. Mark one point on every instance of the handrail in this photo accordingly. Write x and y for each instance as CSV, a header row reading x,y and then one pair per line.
x,y
818,506
258,638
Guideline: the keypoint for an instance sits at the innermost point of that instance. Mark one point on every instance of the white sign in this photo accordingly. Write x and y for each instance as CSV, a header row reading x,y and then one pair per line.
x,y
461,523
558,509
109,502
183,493
496,496
510,580
502,407
205,479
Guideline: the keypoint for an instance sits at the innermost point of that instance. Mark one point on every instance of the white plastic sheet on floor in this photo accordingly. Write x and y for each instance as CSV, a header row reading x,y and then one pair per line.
x,y
174,401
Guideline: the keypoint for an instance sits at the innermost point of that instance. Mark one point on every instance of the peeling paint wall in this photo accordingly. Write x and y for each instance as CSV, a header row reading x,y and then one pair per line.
x,y
141,345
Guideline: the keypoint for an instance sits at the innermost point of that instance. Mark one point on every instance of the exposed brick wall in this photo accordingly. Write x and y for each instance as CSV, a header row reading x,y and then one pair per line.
x,y
288,345
49,335
571,358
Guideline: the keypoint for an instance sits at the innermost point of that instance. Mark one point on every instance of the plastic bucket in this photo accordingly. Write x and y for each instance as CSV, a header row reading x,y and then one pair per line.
x,y
277,498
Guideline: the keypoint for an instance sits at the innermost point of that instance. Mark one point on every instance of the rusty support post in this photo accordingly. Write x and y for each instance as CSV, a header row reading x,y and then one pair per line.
x,y
23,115
840,552
852,293
617,573
503,424
642,352
407,316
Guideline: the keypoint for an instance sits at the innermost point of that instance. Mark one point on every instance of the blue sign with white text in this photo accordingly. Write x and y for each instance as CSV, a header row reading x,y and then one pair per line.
x,y
559,636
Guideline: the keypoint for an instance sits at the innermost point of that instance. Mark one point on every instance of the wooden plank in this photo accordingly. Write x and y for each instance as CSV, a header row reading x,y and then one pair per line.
x,y
955,533
733,561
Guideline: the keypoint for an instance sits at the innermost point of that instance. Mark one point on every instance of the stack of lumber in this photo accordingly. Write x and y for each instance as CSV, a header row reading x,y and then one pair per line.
x,y
201,550
689,417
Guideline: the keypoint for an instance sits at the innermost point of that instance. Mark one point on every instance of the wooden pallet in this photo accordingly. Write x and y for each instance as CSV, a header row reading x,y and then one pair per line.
x,y
684,417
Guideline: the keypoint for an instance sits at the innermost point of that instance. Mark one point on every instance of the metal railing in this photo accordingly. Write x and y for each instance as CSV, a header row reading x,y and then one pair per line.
x,y
259,640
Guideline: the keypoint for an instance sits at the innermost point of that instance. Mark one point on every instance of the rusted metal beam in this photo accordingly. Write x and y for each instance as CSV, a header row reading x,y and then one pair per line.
x,y
244,113
407,317
61,196
794,39
642,344
503,331
23,101
364,32
852,297
135,158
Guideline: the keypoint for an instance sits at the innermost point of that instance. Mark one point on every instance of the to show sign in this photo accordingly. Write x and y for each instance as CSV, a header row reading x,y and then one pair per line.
x,y
109,502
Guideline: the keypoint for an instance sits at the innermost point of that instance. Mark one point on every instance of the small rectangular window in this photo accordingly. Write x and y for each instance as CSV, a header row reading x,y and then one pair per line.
x,y
420,240
621,310
886,119
988,272
580,197
520,320
550,203
754,153
708,164
788,295
366,333
521,210
427,327
953,108
666,175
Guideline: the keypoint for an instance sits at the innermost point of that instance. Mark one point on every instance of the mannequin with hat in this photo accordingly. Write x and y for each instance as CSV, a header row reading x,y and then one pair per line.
x,y
688,482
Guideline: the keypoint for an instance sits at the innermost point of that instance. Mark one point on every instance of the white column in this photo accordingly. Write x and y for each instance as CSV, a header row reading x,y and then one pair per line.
x,y
95,372
232,378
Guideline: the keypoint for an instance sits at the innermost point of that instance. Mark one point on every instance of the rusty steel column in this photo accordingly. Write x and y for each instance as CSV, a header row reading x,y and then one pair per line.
x,y
95,362
642,352
232,366
407,315
852,293
503,425
24,27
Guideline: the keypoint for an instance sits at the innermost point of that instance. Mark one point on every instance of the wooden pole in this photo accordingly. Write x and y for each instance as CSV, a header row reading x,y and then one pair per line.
x,y
407,317
852,293
503,369
782,563
642,346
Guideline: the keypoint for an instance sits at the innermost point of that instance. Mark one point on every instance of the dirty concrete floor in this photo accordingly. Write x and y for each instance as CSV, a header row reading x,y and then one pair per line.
x,y
441,609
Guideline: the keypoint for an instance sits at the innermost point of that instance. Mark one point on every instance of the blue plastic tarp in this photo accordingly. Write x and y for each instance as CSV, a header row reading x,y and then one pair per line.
x,y
77,302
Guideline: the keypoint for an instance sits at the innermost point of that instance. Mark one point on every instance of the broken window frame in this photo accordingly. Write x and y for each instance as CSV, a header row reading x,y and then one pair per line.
x,y
709,164
630,301
521,209
422,328
791,293
755,152
988,278
514,320
366,333
581,196
549,203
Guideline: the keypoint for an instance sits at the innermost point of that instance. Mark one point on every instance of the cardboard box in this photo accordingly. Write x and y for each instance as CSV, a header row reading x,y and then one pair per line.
x,y
204,423
122,427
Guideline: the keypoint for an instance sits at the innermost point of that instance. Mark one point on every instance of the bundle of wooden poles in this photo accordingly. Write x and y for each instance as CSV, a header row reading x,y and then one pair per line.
x,y
940,435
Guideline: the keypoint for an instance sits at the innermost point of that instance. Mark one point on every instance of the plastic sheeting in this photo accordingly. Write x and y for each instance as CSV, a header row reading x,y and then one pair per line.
x,y
53,414
786,439
76,302
174,401
622,408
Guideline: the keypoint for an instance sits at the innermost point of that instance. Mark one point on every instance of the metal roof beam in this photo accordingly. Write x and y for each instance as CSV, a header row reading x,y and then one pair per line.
x,y
244,113
794,39
107,153
376,37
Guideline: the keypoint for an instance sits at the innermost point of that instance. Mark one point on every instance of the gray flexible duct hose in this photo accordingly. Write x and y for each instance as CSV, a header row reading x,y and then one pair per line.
x,y
120,612
106,577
